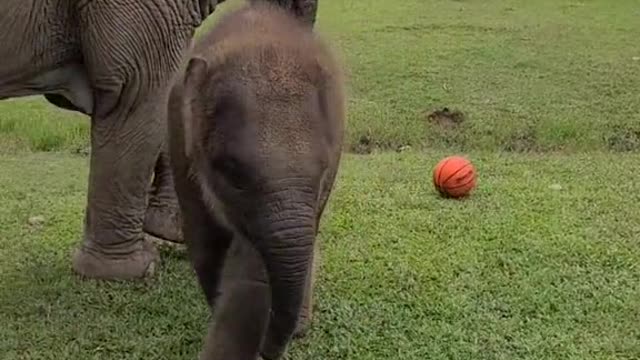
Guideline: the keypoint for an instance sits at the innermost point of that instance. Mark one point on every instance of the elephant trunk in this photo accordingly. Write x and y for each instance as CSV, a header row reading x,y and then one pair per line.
x,y
286,243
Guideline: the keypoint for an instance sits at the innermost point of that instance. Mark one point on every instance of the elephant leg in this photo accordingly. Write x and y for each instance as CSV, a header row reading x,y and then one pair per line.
x,y
162,219
241,312
240,321
131,54
207,245
124,149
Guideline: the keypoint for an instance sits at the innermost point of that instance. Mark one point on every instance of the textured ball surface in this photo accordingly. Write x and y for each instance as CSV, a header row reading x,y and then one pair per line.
x,y
454,176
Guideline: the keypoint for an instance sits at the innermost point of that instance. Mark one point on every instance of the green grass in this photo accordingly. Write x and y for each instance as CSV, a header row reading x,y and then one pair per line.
x,y
517,271
529,75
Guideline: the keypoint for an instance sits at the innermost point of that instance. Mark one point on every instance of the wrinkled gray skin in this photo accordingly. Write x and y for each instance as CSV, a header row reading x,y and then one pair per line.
x,y
163,215
111,60
255,135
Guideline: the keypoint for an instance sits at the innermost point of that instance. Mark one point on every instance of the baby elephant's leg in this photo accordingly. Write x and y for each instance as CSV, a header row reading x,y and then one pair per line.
x,y
241,312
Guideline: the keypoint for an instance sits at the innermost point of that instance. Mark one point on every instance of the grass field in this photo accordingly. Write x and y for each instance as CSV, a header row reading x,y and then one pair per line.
x,y
528,75
518,271
542,262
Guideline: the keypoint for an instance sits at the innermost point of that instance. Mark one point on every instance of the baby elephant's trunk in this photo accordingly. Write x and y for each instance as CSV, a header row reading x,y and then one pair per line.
x,y
285,239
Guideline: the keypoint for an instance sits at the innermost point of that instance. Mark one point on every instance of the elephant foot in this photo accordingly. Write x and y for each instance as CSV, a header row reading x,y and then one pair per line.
x,y
304,323
91,262
163,223
165,244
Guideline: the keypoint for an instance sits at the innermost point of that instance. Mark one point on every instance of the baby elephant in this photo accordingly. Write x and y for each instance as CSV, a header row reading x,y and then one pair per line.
x,y
256,124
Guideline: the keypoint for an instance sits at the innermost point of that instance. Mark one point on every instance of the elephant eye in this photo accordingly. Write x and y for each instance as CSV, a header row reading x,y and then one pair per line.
x,y
232,171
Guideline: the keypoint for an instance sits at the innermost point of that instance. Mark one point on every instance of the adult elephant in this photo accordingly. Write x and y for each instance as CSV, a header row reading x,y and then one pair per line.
x,y
112,60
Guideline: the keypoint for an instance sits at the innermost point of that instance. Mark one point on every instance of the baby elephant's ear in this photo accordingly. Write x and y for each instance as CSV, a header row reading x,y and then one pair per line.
x,y
194,75
195,72
206,8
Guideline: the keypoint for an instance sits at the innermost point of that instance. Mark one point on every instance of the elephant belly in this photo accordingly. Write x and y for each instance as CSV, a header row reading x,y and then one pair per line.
x,y
69,81
40,52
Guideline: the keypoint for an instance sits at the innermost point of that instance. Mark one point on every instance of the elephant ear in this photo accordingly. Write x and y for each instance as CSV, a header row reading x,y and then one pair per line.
x,y
207,7
194,76
306,10
194,73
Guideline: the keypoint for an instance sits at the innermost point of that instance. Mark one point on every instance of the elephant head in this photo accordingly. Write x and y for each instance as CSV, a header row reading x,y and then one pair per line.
x,y
255,132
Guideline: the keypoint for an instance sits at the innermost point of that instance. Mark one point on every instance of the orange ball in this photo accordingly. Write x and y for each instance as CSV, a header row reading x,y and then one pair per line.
x,y
454,176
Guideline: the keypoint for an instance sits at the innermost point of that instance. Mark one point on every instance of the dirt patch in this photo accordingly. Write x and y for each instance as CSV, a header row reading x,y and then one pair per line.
x,y
446,118
623,139
422,27
521,141
82,150
364,145
446,127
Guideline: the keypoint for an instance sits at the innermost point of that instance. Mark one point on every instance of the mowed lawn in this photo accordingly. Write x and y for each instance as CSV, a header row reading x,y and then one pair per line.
x,y
520,270
541,262
528,75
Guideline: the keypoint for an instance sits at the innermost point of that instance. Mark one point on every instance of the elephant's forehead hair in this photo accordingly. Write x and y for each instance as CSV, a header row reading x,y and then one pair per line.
x,y
263,57
277,82
275,68
292,135
269,42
